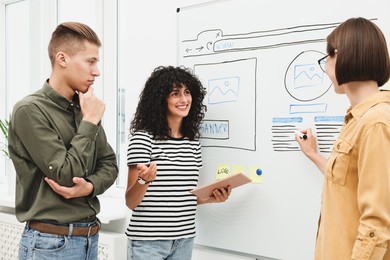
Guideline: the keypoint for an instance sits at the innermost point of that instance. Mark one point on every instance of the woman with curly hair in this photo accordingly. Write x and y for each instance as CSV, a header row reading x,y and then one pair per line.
x,y
164,158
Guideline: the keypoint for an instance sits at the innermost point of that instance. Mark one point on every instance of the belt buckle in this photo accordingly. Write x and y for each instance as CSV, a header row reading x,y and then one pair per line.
x,y
94,225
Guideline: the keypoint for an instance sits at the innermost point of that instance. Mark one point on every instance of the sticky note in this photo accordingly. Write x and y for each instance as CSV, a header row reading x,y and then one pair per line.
x,y
237,168
256,174
223,171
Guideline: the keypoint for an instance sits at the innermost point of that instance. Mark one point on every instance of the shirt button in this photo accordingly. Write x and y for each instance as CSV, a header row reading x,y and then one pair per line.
x,y
338,146
372,234
50,167
71,104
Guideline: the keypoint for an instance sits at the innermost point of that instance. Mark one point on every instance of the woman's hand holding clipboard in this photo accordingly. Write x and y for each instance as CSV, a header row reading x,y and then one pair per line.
x,y
233,181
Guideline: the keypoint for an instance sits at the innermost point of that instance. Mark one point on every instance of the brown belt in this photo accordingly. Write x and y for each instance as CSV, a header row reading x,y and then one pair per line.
x,y
63,230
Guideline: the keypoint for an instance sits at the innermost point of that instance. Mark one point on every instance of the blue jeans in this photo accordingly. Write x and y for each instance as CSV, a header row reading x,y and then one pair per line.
x,y
37,245
180,249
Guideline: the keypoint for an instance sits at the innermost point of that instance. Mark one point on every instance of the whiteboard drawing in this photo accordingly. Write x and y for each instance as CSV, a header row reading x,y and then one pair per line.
x,y
304,80
227,82
327,130
213,41
261,58
283,134
307,75
223,90
215,129
202,44
308,108
230,85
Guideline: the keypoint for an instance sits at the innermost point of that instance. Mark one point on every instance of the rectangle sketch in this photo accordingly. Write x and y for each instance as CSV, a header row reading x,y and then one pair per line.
x,y
231,86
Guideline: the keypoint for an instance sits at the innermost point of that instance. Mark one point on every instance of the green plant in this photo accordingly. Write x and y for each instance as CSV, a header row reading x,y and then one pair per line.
x,y
4,129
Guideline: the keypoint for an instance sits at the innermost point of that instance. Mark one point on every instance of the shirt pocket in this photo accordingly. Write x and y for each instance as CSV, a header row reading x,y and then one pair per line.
x,y
338,162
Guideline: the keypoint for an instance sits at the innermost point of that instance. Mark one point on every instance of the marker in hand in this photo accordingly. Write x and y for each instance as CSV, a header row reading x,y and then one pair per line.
x,y
302,136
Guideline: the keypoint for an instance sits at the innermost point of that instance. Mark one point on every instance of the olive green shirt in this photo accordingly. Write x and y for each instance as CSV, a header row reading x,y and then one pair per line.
x,y
47,137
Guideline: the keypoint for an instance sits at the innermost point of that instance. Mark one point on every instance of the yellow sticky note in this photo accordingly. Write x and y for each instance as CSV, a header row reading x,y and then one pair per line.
x,y
222,171
237,168
256,174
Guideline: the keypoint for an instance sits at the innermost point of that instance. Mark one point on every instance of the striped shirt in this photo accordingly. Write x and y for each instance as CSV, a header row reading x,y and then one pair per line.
x,y
168,209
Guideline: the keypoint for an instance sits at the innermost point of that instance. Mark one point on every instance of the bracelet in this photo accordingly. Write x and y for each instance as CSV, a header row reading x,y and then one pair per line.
x,y
142,181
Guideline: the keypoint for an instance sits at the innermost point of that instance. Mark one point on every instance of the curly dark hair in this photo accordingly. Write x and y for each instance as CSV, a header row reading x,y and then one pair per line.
x,y
151,113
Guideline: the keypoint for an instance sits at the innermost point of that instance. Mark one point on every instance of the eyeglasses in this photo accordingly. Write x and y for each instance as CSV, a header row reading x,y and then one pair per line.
x,y
322,63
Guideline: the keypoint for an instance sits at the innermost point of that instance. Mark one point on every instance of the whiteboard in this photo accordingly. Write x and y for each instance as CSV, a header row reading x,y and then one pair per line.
x,y
258,63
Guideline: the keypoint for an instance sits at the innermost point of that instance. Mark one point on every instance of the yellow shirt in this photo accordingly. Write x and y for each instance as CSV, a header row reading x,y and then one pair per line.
x,y
355,212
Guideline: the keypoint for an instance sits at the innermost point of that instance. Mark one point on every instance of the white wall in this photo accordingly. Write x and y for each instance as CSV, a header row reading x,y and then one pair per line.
x,y
153,26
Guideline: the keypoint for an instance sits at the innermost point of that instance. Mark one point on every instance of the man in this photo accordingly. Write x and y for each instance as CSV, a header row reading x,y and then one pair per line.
x,y
61,154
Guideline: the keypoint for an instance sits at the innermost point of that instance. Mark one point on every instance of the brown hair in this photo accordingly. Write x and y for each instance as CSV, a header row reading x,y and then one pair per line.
x,y
362,52
69,37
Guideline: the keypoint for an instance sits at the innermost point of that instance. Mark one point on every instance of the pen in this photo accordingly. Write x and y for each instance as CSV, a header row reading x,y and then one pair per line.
x,y
302,136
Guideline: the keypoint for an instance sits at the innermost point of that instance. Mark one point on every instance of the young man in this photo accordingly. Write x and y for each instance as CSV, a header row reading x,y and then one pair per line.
x,y
61,154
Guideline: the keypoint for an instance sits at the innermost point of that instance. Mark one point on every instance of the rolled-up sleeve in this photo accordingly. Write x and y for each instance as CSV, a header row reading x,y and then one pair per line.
x,y
373,194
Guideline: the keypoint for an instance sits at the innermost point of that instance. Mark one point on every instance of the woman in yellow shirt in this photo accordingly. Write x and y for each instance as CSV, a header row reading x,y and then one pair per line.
x,y
355,211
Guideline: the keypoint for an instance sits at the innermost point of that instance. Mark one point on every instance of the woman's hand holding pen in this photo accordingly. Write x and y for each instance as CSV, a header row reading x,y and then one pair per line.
x,y
307,141
309,148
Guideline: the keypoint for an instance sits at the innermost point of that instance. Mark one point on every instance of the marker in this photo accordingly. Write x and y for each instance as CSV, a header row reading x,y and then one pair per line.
x,y
302,136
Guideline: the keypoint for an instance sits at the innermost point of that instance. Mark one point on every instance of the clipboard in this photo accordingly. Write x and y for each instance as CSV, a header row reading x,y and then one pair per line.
x,y
234,181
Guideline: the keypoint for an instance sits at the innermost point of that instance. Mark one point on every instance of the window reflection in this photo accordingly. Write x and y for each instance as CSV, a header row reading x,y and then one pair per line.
x,y
17,68
123,83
